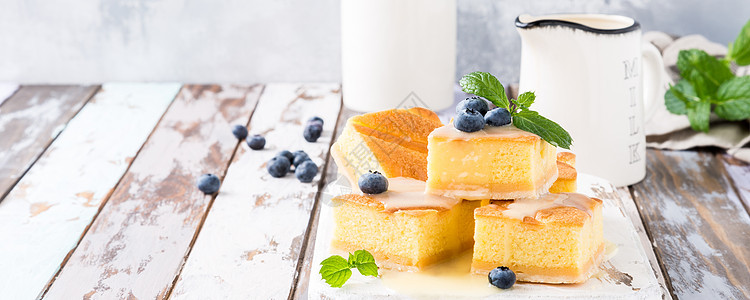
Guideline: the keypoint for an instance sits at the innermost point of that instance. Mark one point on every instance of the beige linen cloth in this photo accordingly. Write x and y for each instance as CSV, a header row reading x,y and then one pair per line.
x,y
667,131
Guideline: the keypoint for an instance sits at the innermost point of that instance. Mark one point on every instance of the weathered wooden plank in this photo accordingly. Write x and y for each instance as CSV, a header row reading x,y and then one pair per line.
x,y
137,243
302,282
46,213
699,227
6,90
631,211
250,244
739,171
625,202
29,121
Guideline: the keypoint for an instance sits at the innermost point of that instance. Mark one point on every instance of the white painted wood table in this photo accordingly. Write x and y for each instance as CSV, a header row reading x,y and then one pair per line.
x,y
98,198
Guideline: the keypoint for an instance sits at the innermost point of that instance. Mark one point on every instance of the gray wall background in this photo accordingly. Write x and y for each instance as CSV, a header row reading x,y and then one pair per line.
x,y
73,41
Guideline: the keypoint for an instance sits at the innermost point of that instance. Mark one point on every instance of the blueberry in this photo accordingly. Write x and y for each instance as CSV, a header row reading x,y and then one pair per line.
x,y
373,183
474,103
469,120
312,132
239,131
502,277
256,142
497,117
300,157
278,166
306,171
287,154
315,119
209,183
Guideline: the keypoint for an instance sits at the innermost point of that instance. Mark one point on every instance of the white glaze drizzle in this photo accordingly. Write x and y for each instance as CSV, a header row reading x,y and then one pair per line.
x,y
407,193
508,131
521,208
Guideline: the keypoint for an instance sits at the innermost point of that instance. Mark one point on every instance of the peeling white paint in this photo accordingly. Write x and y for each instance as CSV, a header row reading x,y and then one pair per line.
x,y
252,236
699,243
138,241
78,162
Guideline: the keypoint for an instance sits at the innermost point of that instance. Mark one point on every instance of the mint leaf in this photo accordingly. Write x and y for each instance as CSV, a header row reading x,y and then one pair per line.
x,y
739,51
362,257
548,130
526,99
368,269
365,263
679,96
703,71
698,114
335,270
733,98
702,88
485,85
708,81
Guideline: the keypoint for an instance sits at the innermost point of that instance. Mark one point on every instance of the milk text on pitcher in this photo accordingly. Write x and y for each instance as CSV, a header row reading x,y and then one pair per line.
x,y
631,77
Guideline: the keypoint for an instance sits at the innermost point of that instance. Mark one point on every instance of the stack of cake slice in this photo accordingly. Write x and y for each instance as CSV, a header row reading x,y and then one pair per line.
x,y
451,191
404,228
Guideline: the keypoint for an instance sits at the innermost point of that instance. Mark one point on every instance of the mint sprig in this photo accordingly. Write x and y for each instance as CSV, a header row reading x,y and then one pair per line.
x,y
708,84
336,270
697,66
485,85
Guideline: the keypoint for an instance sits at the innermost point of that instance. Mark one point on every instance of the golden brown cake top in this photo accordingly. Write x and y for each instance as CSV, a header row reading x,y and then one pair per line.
x,y
411,125
566,171
508,132
562,208
403,194
385,140
392,141
567,157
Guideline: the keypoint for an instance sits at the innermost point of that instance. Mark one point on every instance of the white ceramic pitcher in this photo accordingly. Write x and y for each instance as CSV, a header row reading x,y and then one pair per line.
x,y
588,75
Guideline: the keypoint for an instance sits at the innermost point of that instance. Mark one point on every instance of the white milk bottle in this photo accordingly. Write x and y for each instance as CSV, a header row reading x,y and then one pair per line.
x,y
398,53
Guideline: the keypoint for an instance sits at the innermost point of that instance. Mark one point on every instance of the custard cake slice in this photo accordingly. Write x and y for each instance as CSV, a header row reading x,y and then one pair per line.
x,y
567,175
404,228
493,163
554,239
392,142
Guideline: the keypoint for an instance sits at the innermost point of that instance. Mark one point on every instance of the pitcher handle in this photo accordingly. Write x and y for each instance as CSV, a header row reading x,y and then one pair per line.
x,y
653,79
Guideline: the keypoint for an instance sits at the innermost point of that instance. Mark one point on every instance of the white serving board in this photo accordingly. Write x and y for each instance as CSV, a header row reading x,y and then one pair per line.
x,y
626,275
